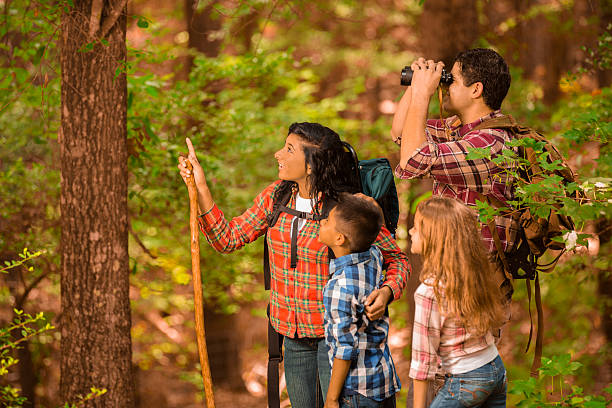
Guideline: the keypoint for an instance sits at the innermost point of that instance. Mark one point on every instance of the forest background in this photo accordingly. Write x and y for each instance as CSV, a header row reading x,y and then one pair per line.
x,y
95,92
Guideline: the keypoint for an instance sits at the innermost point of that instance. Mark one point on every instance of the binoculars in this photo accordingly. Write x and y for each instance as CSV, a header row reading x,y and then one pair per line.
x,y
406,79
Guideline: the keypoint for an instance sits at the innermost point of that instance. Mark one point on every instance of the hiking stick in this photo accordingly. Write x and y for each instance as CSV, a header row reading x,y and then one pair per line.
x,y
197,288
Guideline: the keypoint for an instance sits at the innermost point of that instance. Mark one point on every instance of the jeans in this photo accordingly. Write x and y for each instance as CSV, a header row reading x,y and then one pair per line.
x,y
359,401
307,372
482,387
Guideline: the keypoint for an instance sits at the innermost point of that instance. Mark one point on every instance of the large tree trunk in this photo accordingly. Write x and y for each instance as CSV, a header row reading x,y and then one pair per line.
x,y
447,28
95,326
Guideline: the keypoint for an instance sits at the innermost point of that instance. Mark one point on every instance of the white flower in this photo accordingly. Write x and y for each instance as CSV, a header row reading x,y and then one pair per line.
x,y
599,184
570,239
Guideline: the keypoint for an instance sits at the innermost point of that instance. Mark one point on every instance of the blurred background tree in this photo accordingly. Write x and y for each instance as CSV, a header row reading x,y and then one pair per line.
x,y
233,76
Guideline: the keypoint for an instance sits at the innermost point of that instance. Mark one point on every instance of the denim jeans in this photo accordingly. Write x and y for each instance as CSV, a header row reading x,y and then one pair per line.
x,y
307,372
482,387
359,401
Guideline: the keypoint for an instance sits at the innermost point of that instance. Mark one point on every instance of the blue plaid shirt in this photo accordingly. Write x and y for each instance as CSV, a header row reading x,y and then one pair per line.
x,y
348,332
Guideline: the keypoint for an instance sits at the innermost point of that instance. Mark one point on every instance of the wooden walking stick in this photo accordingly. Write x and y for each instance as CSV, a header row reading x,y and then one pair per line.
x,y
197,287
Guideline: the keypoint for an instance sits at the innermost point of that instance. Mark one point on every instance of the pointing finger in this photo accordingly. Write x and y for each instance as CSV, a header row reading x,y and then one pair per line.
x,y
190,147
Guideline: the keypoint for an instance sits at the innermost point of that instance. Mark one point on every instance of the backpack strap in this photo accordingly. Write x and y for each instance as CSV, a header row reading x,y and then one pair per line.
x,y
275,339
294,228
275,356
498,122
277,203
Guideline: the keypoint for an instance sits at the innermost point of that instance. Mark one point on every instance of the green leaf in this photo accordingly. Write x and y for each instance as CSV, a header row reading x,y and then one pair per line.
x,y
142,23
477,153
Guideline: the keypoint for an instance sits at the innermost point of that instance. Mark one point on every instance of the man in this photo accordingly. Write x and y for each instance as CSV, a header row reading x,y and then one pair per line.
x,y
438,148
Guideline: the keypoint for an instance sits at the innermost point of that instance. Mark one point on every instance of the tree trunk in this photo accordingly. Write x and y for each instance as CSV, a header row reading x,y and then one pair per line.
x,y
446,28
95,326
200,26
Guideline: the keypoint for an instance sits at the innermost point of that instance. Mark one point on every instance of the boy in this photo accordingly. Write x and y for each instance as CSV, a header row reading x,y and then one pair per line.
x,y
363,373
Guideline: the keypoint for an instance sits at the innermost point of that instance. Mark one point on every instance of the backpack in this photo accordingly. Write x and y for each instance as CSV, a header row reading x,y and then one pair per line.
x,y
536,231
375,179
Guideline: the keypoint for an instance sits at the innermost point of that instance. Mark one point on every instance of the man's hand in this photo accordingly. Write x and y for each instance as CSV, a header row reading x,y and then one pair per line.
x,y
425,78
376,302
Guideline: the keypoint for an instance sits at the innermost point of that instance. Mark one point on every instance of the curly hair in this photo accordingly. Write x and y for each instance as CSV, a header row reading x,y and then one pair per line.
x,y
331,165
456,264
486,66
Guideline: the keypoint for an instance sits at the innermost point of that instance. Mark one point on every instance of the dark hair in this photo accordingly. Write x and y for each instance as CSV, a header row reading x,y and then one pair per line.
x,y
359,219
331,165
486,66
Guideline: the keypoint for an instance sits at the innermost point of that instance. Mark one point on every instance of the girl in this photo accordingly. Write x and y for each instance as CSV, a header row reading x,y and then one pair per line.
x,y
456,306
313,166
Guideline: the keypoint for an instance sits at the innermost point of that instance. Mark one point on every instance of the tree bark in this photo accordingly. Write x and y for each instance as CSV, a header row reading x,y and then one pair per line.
x,y
95,327
447,28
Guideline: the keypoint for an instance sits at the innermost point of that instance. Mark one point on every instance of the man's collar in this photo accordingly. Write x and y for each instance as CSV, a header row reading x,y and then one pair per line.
x,y
464,129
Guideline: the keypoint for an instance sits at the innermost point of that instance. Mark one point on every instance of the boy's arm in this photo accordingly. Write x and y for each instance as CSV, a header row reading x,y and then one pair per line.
x,y
338,376
419,396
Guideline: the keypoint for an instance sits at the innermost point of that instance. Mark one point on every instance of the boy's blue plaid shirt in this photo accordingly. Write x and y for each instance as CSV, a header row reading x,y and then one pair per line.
x,y
349,333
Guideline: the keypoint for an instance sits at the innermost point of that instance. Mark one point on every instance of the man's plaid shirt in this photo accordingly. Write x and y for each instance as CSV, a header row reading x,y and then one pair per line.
x,y
296,295
442,157
434,334
348,332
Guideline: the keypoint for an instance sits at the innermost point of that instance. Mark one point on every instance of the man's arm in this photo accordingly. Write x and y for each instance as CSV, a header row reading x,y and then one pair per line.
x,y
425,80
399,118
340,370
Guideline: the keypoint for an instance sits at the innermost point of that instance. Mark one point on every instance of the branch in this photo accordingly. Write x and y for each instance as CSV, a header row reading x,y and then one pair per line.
x,y
112,18
94,19
19,303
154,318
139,242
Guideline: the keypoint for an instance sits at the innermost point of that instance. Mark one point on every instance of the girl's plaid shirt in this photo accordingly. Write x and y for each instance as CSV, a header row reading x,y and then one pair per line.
x,y
434,334
296,295
443,157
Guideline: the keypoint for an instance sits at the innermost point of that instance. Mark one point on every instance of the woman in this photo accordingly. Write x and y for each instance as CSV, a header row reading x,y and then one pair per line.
x,y
312,166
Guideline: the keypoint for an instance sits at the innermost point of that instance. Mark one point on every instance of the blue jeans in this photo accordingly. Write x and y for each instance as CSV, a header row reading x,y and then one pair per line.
x,y
483,387
307,372
359,401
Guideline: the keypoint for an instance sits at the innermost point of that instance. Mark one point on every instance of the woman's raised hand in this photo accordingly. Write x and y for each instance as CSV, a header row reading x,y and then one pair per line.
x,y
197,172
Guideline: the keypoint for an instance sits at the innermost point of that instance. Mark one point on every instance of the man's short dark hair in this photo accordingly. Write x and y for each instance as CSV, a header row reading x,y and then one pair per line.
x,y
359,219
486,66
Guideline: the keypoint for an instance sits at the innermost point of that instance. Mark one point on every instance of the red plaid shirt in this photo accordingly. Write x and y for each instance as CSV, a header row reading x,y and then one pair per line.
x,y
442,157
296,295
435,334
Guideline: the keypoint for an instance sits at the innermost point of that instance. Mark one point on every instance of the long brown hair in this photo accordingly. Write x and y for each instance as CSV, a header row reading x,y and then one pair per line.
x,y
456,264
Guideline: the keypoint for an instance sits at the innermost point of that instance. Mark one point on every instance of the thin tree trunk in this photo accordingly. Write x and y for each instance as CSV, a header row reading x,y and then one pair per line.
x,y
95,327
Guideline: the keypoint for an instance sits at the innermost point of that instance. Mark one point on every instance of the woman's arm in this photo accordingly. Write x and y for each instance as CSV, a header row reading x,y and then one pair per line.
x,y
205,199
227,236
398,272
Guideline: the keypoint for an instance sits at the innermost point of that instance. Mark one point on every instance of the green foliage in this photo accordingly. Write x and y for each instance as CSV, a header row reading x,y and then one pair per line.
x,y
547,191
82,399
534,392
25,257
23,327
